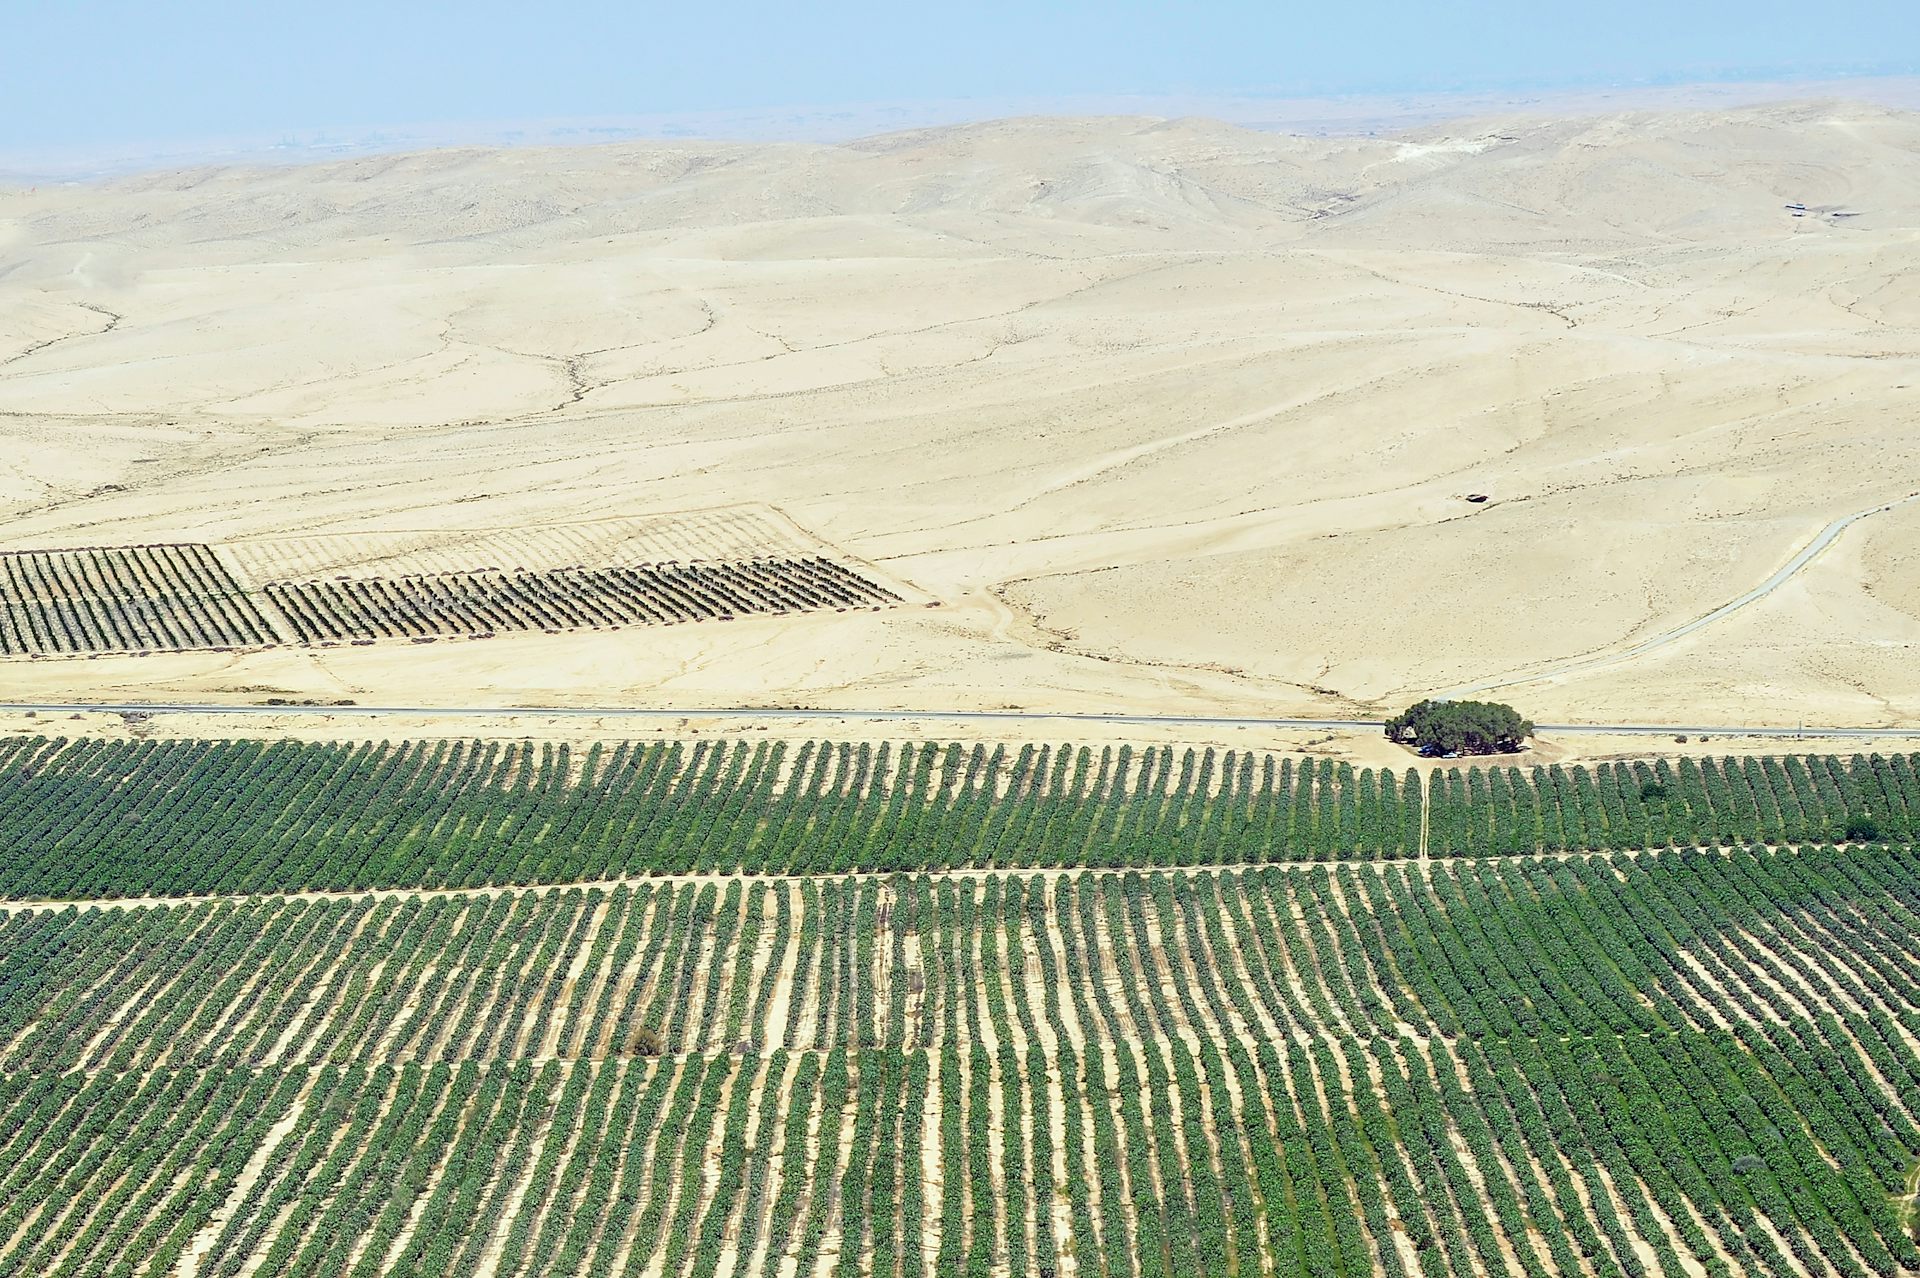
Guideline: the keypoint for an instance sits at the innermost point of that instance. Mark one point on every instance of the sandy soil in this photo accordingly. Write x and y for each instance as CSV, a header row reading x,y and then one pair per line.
x,y
1366,749
1167,415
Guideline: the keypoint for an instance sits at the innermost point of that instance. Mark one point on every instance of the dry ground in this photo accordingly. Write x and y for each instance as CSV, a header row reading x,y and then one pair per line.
x,y
1171,416
1361,749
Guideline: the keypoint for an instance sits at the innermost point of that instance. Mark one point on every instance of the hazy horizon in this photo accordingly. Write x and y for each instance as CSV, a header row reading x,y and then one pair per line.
x,y
1323,115
109,86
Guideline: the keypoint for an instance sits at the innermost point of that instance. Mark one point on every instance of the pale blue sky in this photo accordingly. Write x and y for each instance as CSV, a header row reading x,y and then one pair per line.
x,y
76,73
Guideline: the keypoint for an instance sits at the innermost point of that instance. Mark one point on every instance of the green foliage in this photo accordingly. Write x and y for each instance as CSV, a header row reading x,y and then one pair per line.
x,y
89,819
1460,728
1676,1060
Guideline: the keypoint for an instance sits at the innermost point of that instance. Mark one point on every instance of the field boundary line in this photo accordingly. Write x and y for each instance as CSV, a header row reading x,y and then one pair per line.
x,y
960,872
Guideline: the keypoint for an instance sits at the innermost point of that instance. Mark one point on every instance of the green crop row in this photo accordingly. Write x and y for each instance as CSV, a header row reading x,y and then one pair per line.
x,y
95,819
1611,1064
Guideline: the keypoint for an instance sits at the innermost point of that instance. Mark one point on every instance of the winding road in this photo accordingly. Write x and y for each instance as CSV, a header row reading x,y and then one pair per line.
x,y
1600,661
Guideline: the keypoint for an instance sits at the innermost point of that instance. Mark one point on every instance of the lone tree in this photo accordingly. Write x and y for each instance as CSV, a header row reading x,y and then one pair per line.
x,y
1461,727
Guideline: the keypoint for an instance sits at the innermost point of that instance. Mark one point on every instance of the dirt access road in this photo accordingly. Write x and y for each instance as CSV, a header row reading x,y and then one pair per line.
x,y
1600,661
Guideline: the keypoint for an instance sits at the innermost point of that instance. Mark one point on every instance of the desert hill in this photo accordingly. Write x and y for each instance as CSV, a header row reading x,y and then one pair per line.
x,y
1166,413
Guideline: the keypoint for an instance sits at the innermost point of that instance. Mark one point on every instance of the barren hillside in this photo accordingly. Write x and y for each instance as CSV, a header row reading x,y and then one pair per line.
x,y
1165,414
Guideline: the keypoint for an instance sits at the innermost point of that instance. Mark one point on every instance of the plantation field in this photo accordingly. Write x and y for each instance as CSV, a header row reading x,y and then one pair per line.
x,y
486,603
717,535
1676,1062
472,1009
93,818
126,598
324,590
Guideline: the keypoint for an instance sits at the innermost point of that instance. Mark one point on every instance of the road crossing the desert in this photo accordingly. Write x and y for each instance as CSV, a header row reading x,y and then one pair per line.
x,y
922,716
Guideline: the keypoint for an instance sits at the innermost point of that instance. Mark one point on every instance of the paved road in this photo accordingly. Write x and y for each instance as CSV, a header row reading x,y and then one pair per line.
x,y
924,716
1601,661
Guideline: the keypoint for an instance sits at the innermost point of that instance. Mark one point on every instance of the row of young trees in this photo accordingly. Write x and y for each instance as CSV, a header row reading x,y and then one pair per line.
x,y
144,598
476,603
92,819
124,599
1609,1064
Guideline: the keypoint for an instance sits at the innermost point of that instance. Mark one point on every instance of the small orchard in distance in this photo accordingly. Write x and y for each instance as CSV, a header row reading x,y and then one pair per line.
x,y
1461,727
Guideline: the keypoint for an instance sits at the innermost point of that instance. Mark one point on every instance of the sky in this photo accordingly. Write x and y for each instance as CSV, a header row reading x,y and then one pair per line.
x,y
80,73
